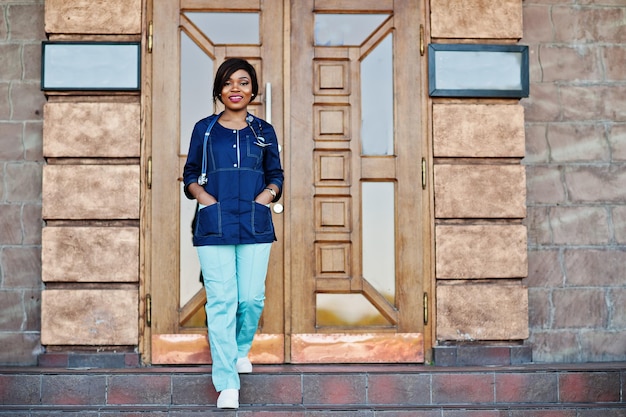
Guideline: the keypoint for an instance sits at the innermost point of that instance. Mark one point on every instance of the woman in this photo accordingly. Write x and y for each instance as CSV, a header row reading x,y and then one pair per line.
x,y
233,170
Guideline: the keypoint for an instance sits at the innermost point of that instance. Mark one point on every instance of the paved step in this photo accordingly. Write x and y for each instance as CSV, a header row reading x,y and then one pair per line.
x,y
342,391
294,411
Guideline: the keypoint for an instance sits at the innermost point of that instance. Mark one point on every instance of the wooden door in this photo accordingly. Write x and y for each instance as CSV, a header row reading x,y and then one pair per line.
x,y
356,202
191,40
346,278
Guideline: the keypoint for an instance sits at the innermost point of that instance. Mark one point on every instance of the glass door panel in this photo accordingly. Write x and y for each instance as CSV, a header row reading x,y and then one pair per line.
x,y
377,89
218,27
345,29
196,89
197,66
378,224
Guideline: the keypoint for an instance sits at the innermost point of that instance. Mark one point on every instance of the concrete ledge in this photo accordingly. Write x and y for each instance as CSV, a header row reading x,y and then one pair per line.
x,y
481,355
71,360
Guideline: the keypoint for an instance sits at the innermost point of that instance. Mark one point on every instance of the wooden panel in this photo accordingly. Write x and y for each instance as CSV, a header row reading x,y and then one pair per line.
x,y
249,5
90,254
90,192
332,77
482,312
93,17
91,130
333,285
332,169
332,214
89,317
489,251
332,122
359,348
476,19
480,191
332,259
361,5
478,130
378,167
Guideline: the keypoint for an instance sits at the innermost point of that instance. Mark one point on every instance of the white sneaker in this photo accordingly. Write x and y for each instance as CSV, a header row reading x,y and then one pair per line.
x,y
229,398
244,366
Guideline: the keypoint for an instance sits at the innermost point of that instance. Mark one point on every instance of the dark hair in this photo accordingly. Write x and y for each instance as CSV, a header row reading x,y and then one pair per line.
x,y
227,69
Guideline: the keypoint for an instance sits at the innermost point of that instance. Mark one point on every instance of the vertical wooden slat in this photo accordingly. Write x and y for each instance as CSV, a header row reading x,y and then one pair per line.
x,y
272,72
300,213
164,242
410,220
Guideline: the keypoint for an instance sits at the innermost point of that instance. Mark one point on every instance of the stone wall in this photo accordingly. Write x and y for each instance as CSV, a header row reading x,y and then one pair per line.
x,y
576,179
91,193
21,160
480,199
575,124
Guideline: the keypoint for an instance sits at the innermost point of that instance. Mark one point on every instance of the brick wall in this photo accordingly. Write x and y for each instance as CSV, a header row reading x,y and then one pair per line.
x,y
575,168
21,114
576,179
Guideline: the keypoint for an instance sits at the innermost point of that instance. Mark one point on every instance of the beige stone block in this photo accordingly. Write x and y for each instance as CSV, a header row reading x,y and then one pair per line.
x,y
591,103
478,130
91,130
90,254
482,251
476,19
595,183
607,267
579,308
545,185
468,312
90,192
619,223
26,100
560,63
89,317
580,226
544,104
480,191
88,16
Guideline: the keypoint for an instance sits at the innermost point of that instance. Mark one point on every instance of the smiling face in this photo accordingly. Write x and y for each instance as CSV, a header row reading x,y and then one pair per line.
x,y
236,93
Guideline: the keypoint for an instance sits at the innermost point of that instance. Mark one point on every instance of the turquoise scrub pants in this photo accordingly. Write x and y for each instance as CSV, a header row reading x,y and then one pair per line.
x,y
234,280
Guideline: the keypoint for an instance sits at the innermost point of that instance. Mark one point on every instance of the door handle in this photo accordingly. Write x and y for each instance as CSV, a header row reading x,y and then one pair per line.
x,y
268,107
278,208
268,103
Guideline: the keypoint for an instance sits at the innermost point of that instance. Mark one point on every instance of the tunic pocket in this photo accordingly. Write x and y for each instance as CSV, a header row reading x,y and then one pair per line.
x,y
255,153
261,219
209,222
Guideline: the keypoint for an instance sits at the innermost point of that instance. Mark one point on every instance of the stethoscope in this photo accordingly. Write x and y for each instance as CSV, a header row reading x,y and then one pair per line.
x,y
259,141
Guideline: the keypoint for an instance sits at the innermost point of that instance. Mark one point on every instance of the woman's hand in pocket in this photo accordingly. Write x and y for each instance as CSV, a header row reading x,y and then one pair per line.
x,y
201,195
264,198
206,199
